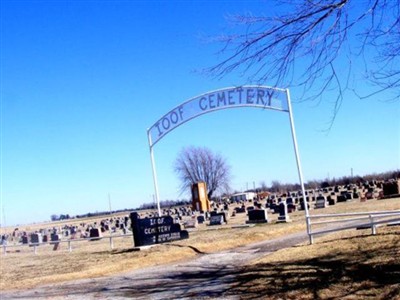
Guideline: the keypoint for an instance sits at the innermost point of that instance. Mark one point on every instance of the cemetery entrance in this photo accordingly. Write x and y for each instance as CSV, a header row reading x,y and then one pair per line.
x,y
263,97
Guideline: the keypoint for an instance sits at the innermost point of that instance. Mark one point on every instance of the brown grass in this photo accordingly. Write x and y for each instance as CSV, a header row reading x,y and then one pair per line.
x,y
94,259
343,265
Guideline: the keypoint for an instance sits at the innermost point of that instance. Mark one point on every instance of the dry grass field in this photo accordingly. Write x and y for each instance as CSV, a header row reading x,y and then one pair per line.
x,y
338,265
346,265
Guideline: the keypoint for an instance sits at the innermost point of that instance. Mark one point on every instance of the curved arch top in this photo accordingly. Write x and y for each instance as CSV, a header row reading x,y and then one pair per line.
x,y
232,97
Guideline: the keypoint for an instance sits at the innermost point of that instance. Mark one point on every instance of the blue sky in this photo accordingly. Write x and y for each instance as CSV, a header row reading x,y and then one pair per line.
x,y
81,81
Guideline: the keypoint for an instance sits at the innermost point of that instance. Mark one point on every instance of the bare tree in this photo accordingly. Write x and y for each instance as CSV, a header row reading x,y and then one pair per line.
x,y
318,45
195,164
276,186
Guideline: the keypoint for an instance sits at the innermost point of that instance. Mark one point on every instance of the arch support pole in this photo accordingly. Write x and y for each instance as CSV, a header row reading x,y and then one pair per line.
x,y
153,167
296,152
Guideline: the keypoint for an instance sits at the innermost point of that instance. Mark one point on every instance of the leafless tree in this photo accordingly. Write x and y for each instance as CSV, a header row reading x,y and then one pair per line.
x,y
276,186
195,164
319,45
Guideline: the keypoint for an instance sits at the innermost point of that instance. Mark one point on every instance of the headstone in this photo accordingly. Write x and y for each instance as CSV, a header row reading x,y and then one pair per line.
x,y
216,219
150,231
258,216
240,210
331,199
191,223
54,237
391,188
283,213
36,238
55,240
321,202
200,199
223,214
95,234
201,219
3,241
290,205
302,205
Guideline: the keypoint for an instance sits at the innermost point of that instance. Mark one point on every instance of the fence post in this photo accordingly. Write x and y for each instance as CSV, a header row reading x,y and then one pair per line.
x,y
34,249
111,242
309,231
4,249
373,227
69,246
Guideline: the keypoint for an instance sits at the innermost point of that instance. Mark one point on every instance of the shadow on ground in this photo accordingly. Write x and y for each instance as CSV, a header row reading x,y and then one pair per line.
x,y
347,275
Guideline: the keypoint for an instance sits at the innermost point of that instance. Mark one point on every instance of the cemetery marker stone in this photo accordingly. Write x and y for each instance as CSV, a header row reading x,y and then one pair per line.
x,y
155,230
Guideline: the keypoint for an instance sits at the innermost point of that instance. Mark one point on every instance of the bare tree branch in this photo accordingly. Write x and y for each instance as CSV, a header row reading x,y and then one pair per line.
x,y
299,48
200,164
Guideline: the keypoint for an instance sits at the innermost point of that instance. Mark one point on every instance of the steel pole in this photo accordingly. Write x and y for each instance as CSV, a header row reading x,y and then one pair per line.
x,y
153,166
296,151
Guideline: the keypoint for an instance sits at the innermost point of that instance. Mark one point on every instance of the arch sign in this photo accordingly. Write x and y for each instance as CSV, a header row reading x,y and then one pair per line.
x,y
243,96
251,96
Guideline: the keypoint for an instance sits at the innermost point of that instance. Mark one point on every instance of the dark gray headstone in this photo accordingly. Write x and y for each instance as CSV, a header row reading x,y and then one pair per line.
x,y
36,238
95,234
258,216
54,237
201,219
223,214
217,219
321,202
331,199
283,212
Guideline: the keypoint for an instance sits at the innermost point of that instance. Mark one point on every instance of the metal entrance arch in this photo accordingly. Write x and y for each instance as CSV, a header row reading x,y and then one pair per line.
x,y
243,96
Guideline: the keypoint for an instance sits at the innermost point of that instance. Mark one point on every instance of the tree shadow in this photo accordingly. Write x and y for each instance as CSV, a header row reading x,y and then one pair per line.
x,y
338,275
331,277
188,246
122,251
